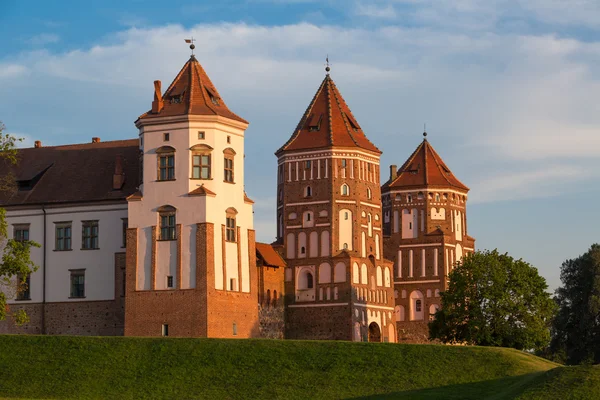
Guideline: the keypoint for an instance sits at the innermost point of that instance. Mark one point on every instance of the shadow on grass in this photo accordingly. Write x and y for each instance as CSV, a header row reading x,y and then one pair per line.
x,y
497,389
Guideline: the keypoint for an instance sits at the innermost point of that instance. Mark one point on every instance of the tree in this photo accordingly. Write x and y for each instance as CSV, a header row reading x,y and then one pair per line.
x,y
15,263
495,300
576,329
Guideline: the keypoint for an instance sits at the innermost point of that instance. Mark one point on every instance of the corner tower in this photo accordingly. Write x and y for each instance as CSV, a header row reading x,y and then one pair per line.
x,y
190,243
425,229
337,283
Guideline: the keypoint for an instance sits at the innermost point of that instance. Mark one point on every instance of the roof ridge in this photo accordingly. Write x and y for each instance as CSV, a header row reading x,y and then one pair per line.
x,y
439,166
202,88
330,116
99,144
344,116
425,161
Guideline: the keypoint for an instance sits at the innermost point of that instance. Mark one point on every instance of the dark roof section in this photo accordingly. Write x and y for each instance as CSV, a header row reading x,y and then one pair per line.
x,y
328,122
73,173
192,92
270,257
425,168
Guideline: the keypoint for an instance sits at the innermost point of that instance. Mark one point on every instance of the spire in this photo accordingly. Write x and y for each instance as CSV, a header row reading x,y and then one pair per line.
x,y
328,122
190,93
425,168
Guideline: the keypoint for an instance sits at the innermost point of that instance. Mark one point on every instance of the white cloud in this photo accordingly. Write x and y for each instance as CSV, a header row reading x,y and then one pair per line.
x,y
375,11
495,97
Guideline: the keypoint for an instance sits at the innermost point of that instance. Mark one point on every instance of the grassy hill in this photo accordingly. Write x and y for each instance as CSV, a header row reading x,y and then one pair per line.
x,y
127,368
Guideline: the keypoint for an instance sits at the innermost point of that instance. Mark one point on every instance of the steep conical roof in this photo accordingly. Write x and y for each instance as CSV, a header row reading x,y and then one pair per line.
x,y
425,168
328,122
192,92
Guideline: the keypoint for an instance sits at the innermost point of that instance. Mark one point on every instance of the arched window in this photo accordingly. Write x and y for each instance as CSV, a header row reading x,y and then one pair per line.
x,y
201,161
302,250
166,163
345,190
437,197
432,310
308,217
309,280
416,306
409,198
228,154
305,279
168,222
230,227
345,246
346,215
307,191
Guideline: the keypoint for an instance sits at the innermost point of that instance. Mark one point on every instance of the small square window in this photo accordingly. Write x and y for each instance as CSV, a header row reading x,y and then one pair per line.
x,y
201,135
167,136
169,281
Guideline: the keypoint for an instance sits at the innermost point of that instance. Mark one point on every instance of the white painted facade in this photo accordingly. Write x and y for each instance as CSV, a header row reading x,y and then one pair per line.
x,y
98,264
220,134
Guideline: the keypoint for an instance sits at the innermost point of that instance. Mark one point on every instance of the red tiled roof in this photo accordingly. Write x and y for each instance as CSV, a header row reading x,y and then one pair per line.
x,y
73,173
192,92
201,191
328,122
425,168
269,255
248,199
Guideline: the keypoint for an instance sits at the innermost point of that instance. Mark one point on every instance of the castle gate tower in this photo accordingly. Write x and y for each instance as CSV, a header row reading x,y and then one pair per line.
x,y
337,283
190,246
425,230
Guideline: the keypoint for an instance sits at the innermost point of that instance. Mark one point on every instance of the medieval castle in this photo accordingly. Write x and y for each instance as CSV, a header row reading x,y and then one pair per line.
x,y
154,236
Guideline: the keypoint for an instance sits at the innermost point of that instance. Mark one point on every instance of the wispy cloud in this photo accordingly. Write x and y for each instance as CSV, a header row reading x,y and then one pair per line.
x,y
11,70
44,38
373,10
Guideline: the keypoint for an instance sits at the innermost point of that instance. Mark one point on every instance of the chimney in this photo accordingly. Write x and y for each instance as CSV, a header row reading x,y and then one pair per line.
x,y
157,104
393,172
119,176
38,144
95,140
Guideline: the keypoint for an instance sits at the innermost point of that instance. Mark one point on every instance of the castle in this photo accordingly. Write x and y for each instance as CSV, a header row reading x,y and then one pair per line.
x,y
154,236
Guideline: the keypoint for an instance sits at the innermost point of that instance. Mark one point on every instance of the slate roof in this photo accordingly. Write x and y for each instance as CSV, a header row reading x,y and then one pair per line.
x,y
328,122
72,173
425,168
192,92
269,255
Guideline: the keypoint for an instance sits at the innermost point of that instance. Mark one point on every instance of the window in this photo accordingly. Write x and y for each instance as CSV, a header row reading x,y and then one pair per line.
x,y
345,190
437,197
344,163
201,135
23,285
309,281
230,229
307,164
345,246
308,216
167,226
346,215
232,284
166,167
302,250
409,198
166,137
418,305
201,166
169,281
21,233
308,191
228,169
89,235
63,236
165,329
369,193
125,224
77,283
228,139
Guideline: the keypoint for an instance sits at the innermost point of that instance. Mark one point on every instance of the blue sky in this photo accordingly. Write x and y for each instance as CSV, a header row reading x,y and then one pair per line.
x,y
508,89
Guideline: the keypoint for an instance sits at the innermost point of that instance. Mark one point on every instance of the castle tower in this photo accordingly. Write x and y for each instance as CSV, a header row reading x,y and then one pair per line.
x,y
425,229
337,283
190,246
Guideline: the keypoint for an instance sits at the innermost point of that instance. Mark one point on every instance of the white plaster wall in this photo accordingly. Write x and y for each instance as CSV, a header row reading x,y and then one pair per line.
x,y
410,221
438,214
166,263
98,264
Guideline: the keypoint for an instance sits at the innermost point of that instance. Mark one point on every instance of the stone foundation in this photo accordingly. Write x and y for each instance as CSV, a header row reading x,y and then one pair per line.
x,y
413,332
271,321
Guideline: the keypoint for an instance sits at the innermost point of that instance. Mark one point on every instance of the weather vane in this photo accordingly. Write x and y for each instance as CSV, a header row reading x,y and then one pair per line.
x,y
192,45
425,130
327,69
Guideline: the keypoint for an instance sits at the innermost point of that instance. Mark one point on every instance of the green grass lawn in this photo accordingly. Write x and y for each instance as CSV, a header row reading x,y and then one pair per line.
x,y
164,368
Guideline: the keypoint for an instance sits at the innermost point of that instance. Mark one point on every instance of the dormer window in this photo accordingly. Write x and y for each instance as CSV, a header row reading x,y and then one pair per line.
x,y
213,96
352,122
314,122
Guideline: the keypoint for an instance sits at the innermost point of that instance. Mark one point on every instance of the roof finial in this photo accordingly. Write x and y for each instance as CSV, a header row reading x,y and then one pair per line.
x,y
425,130
192,45
327,69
